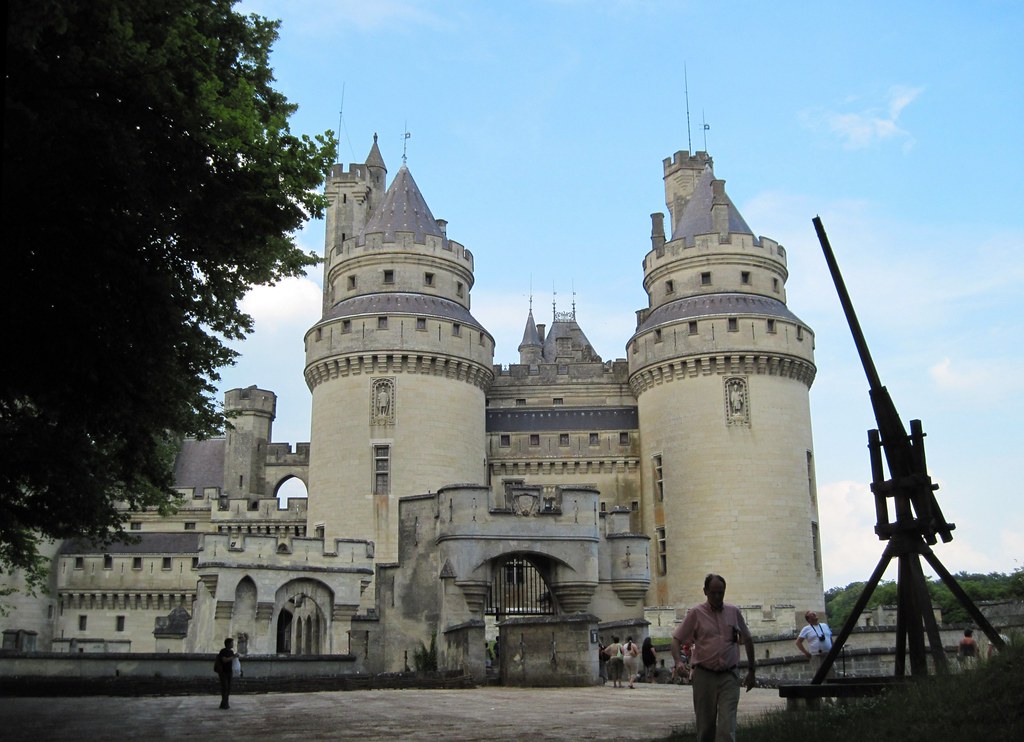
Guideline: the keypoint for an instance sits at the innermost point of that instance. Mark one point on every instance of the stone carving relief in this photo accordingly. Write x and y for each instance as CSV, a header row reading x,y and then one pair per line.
x,y
525,503
737,401
382,401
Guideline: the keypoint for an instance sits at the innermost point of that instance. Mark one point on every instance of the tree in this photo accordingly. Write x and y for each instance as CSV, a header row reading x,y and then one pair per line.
x,y
150,179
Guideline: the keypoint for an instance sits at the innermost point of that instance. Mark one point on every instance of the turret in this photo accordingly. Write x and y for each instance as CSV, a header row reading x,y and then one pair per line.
x,y
531,349
251,413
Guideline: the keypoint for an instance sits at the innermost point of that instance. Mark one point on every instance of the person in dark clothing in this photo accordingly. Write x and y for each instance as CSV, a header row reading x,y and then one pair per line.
x,y
226,656
649,656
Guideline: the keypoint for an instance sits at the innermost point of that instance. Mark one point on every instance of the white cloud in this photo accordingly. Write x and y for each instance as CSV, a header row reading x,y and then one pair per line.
x,y
292,305
870,125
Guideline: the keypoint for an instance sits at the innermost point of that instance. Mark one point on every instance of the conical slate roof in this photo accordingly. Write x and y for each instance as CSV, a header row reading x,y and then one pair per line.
x,y
696,217
574,346
374,159
402,210
531,338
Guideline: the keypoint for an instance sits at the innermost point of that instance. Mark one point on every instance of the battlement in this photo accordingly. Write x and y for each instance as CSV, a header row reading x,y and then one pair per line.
x,y
615,371
375,241
252,400
357,172
285,552
285,454
268,510
743,246
683,159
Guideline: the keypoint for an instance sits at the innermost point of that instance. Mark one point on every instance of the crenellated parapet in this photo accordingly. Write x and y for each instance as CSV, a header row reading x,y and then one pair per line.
x,y
788,367
285,553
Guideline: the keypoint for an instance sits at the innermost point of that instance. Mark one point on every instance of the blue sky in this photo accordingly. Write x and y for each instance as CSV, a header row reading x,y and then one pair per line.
x,y
538,129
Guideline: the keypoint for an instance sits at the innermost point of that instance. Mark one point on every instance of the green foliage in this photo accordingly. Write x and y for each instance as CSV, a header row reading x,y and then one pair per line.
x,y
978,704
839,601
425,659
150,179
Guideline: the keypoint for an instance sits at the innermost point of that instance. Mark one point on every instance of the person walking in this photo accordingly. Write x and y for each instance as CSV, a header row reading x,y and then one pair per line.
x,y
225,658
649,657
615,664
715,628
631,660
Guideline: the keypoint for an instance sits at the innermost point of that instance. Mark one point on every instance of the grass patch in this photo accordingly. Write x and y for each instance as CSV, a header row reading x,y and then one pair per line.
x,y
981,704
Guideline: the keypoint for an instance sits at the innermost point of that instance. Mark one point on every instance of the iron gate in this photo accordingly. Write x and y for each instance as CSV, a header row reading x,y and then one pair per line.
x,y
518,589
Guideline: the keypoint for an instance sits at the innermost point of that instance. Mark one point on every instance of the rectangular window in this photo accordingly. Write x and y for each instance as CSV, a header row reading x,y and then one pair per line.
x,y
346,325
634,506
670,287
534,439
811,488
623,439
816,547
136,525
557,401
456,329
421,323
771,326
657,335
799,332
195,562
83,621
734,324
389,276
79,562
705,278
381,470
595,439
459,290
351,282
745,277
604,507
166,563
108,561
190,526
136,562
428,279
662,556
382,323
520,402
659,482
775,285
692,327
119,623
563,439
505,440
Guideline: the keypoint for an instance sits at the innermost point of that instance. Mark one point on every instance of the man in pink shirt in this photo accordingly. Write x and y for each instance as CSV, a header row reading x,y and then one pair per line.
x,y
715,629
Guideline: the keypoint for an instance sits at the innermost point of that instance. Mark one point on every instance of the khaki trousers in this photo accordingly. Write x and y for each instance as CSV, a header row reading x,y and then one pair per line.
x,y
716,696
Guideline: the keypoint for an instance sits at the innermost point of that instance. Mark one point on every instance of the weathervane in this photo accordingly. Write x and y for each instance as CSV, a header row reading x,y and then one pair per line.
x,y
405,139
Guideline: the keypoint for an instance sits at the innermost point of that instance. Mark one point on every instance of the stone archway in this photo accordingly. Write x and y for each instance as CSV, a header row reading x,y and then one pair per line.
x,y
519,587
303,609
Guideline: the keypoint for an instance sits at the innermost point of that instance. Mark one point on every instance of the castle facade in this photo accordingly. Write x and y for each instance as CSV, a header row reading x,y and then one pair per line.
x,y
446,491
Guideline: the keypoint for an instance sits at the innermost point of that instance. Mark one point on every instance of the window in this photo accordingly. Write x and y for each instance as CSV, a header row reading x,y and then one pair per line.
x,y
816,547
734,324
504,440
705,278
389,276
136,562
82,622
634,506
190,526
346,325
79,562
166,563
108,561
595,439
319,334
745,277
775,285
186,491
692,327
351,282
421,323
657,335
119,623
623,439
670,287
136,525
428,279
659,483
195,562
381,470
520,402
771,326
382,323
662,557
604,507
799,332
459,290
563,439
456,329
557,401
534,439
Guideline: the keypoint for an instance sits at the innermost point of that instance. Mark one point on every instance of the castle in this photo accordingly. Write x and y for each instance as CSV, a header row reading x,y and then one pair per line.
x,y
446,493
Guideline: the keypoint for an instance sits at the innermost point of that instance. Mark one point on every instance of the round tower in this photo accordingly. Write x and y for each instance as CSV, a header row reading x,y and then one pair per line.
x,y
722,372
251,412
397,365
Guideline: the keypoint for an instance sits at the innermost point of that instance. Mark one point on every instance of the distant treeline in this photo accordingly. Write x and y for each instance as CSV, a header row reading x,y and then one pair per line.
x,y
839,601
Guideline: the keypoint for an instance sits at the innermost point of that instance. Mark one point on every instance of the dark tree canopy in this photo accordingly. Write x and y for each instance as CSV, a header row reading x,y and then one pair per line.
x,y
149,180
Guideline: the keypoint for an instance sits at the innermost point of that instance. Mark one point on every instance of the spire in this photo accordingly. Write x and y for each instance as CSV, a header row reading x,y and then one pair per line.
x,y
402,210
374,159
709,210
530,350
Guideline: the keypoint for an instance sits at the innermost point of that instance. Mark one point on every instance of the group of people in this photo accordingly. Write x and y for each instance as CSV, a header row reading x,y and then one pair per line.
x,y
621,662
